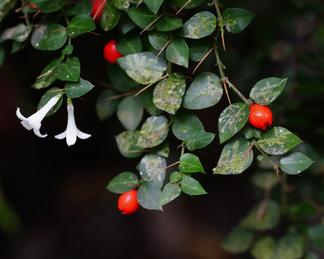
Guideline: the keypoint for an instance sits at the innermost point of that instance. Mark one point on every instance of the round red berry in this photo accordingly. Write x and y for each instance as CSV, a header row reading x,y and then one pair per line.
x,y
97,8
111,53
260,116
127,202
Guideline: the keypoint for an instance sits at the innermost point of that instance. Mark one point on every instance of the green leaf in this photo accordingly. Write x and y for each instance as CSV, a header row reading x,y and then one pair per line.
x,y
205,91
238,241
130,112
126,143
175,177
141,17
153,5
48,75
119,79
301,211
269,219
177,52
69,70
168,23
290,246
200,25
48,95
181,3
144,67
129,45
76,90
278,141
81,7
190,163
185,125
149,197
49,37
267,90
158,40
199,49
163,150
235,158
121,4
232,120
170,192
80,24
316,236
295,163
199,139
168,93
264,248
104,106
146,98
123,182
237,19
153,132
19,33
127,25
68,49
49,6
265,180
191,186
110,17
152,169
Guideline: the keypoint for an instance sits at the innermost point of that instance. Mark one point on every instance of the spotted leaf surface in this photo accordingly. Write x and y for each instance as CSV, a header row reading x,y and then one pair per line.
x,y
152,169
126,143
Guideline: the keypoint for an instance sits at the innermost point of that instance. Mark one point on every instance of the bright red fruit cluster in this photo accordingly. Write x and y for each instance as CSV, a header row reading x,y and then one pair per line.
x,y
127,202
260,116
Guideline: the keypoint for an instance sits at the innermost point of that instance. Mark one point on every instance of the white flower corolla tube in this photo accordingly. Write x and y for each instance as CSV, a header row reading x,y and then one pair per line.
x,y
72,132
34,122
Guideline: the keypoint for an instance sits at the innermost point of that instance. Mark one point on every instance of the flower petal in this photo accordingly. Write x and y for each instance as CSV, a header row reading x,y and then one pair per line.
x,y
61,135
83,135
19,115
38,134
71,137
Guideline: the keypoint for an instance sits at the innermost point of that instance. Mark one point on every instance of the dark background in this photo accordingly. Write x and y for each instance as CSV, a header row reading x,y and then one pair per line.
x,y
58,193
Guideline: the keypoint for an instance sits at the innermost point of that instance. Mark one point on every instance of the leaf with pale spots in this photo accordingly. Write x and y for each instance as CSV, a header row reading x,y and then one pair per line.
x,y
295,163
110,17
144,67
177,52
267,90
235,158
205,91
278,141
149,196
48,75
170,192
168,93
153,132
232,120
152,169
237,19
200,25
126,143
123,182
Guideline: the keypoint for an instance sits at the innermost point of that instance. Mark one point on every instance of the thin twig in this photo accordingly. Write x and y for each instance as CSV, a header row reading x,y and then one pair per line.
x,y
202,60
184,6
173,164
151,23
163,48
220,22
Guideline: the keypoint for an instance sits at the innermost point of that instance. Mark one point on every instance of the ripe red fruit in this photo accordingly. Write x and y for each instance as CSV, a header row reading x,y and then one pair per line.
x,y
127,202
111,53
97,8
260,116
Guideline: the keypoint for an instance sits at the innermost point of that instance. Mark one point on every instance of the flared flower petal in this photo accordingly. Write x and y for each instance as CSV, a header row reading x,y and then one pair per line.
x,y
72,132
34,122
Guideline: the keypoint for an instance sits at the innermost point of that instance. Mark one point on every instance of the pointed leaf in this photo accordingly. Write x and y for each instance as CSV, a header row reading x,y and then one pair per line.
x,y
200,25
152,169
149,197
123,182
130,112
76,90
170,192
295,163
190,163
191,186
177,52
237,19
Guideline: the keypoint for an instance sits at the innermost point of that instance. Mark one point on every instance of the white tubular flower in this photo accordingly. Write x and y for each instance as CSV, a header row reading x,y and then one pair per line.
x,y
34,122
72,132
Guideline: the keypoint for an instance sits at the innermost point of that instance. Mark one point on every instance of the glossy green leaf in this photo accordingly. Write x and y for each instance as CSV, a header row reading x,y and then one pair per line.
x,y
126,143
141,17
110,17
168,23
267,90
200,25
48,75
190,163
232,120
199,49
76,90
199,139
146,98
130,112
49,37
69,70
175,177
170,192
158,40
269,219
152,169
80,24
237,19
149,197
186,4
49,6
130,44
81,7
153,132
123,182
235,158
153,5
168,93
191,186
295,163
278,141
144,67
185,125
106,107
238,241
119,79
205,91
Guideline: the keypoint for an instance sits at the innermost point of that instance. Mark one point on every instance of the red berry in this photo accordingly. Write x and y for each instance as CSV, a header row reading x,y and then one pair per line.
x,y
127,202
97,8
111,53
260,116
